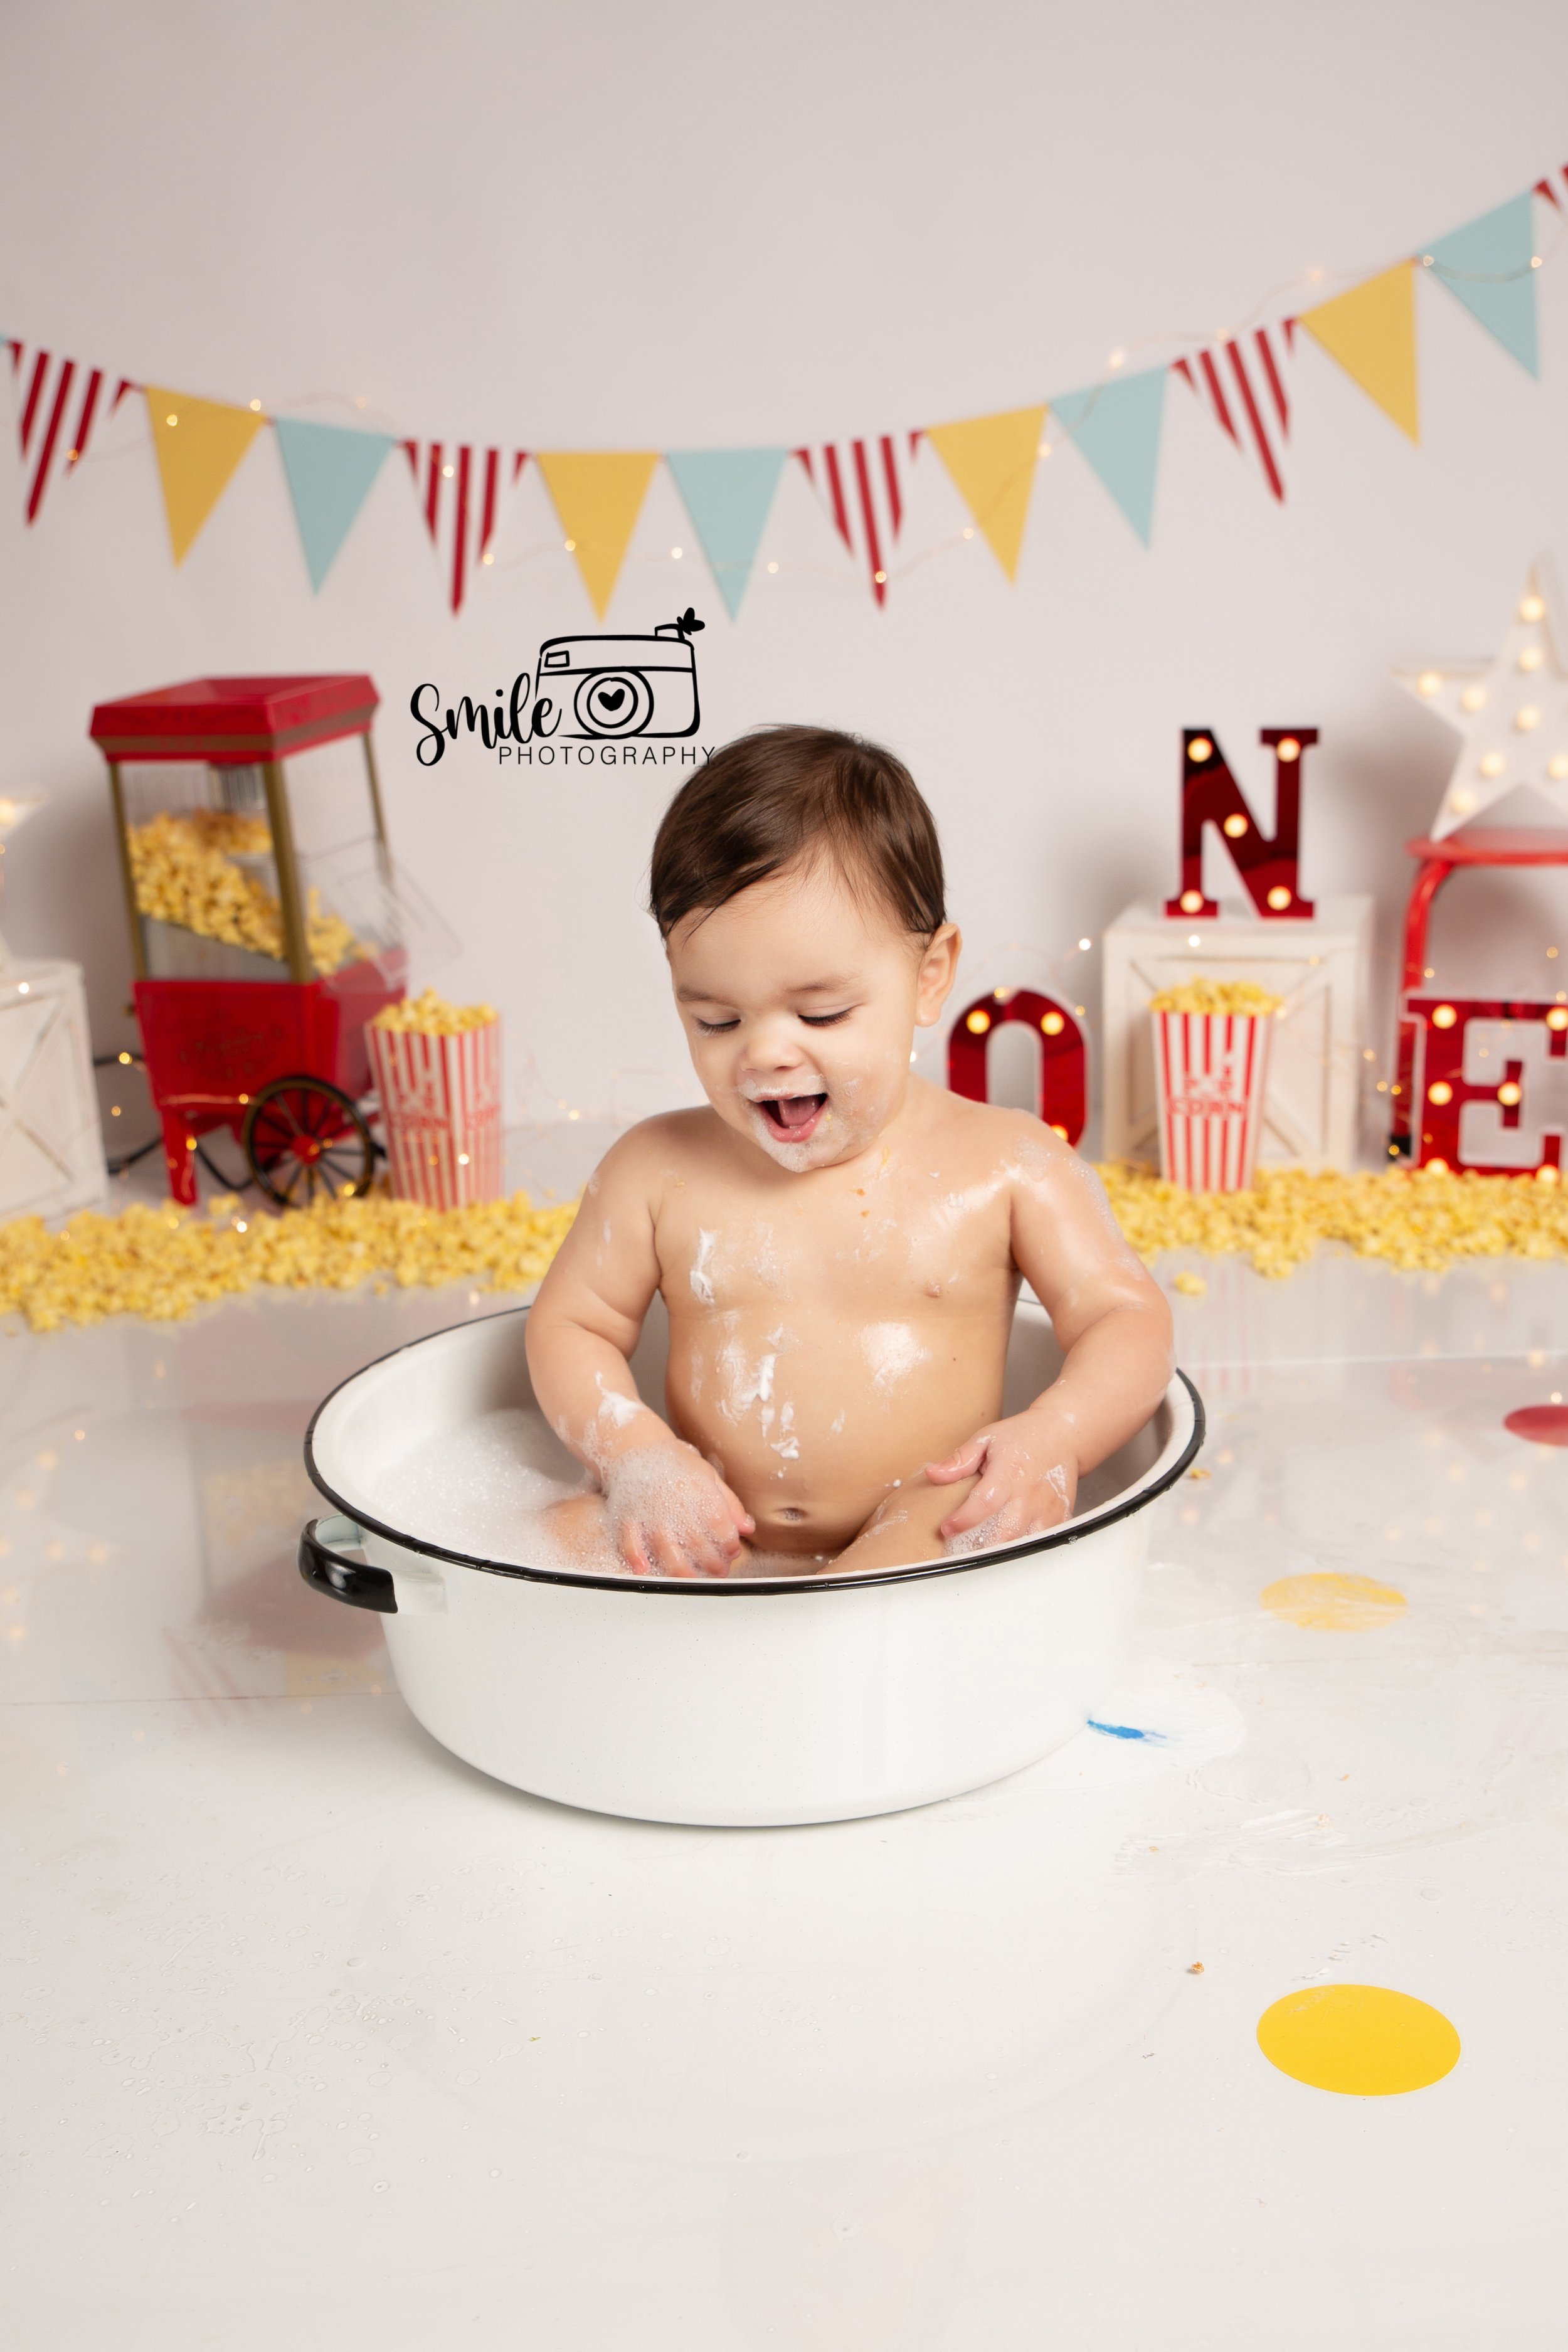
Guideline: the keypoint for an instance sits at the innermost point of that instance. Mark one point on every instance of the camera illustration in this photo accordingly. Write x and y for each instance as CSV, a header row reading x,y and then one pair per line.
x,y
604,689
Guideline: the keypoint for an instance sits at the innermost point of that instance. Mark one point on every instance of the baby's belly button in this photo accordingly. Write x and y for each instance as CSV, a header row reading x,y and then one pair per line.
x,y
824,1522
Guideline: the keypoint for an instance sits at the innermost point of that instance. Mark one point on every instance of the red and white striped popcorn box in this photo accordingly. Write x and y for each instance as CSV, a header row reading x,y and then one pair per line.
x,y
441,1106
1211,1069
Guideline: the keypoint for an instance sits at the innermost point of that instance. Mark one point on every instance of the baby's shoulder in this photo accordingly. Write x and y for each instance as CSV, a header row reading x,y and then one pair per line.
x,y
990,1139
659,1151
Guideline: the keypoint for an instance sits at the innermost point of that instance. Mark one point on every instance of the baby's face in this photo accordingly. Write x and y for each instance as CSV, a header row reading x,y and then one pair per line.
x,y
800,1001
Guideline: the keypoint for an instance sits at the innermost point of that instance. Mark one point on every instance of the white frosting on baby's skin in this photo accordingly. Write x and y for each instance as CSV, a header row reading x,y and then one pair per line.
x,y
844,1126
616,1409
796,1156
701,1270
803,1082
613,1413
745,1384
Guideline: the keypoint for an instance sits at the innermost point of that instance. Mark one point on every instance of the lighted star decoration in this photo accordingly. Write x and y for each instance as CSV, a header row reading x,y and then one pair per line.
x,y
1512,712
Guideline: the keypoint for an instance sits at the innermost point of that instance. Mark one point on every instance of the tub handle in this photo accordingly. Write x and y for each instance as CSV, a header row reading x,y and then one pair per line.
x,y
354,1580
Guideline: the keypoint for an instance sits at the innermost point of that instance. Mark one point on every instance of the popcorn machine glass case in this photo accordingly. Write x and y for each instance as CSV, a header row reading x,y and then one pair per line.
x,y
264,921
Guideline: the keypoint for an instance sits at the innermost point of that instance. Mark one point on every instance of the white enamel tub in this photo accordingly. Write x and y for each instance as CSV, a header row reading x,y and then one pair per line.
x,y
737,1703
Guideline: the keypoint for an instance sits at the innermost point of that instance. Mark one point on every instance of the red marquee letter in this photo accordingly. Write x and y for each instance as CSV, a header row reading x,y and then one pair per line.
x,y
1211,795
1064,1089
1445,1089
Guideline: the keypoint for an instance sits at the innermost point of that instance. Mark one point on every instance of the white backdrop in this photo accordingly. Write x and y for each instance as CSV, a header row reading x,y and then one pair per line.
x,y
619,226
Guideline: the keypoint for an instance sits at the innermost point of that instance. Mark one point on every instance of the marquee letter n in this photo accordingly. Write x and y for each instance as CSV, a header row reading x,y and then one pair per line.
x,y
1211,795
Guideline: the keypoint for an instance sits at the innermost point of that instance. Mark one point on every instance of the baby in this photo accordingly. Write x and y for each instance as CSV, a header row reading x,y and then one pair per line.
x,y
839,1244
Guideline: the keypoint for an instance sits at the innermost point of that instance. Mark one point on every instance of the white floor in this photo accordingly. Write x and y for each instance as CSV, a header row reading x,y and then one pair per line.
x,y
314,2036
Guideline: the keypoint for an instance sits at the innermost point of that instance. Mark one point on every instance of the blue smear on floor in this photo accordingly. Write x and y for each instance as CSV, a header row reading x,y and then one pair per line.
x,y
1127,1731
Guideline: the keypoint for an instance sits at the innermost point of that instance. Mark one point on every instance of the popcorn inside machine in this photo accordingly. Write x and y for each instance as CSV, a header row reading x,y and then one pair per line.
x,y
264,928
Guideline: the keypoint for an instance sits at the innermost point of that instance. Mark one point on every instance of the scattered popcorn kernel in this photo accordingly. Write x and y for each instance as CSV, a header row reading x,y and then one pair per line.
x,y
162,1263
1419,1221
1191,1285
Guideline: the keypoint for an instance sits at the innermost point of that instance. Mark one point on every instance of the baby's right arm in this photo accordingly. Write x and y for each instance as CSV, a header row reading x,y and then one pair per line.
x,y
670,1511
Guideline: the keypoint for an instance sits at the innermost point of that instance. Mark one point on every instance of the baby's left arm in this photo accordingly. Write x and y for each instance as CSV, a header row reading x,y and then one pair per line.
x,y
1114,1327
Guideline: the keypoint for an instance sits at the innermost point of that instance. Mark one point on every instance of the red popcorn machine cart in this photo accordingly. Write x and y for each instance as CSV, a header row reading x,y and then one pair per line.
x,y
264,921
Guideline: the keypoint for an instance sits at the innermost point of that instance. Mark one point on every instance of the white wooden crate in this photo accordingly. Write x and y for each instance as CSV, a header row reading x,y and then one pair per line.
x,y
1321,968
51,1145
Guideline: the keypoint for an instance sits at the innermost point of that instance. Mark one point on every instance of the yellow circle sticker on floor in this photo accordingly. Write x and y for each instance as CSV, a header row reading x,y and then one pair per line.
x,y
1360,2038
1333,1603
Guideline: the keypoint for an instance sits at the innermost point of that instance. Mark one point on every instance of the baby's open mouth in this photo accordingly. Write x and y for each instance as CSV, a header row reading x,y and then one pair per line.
x,y
792,1118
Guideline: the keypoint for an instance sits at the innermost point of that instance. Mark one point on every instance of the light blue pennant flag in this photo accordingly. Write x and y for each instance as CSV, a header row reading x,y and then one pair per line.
x,y
1486,266
727,494
1117,427
330,468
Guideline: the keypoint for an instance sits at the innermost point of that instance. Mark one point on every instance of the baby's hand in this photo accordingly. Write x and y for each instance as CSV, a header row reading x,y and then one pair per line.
x,y
1027,1479
671,1514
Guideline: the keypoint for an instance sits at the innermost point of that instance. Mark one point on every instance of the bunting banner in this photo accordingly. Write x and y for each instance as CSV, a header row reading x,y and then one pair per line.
x,y
1489,266
59,404
328,469
729,495
1116,426
1371,332
992,460
459,490
598,494
199,443
1241,383
860,485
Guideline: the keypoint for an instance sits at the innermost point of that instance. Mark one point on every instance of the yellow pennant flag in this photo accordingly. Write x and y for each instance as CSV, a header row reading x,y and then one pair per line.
x,y
991,461
199,444
598,496
1371,332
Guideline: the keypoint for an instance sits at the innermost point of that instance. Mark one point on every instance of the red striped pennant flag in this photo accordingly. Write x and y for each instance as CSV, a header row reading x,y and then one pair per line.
x,y
1543,187
461,489
1242,385
860,484
58,403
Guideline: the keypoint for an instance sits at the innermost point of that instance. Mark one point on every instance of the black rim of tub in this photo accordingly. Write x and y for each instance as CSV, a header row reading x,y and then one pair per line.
x,y
737,1588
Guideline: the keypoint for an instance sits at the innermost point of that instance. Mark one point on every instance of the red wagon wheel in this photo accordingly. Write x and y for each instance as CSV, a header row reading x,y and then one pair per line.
x,y
303,1137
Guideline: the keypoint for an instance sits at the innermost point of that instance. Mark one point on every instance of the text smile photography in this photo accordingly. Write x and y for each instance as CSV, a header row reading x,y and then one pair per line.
x,y
610,701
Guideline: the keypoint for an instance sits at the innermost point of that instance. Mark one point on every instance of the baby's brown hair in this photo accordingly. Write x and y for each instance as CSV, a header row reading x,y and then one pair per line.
x,y
782,794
